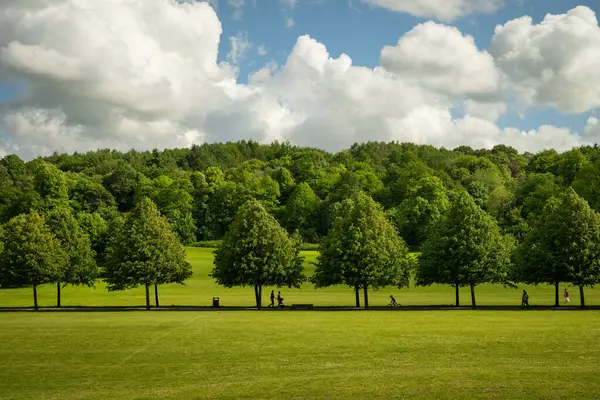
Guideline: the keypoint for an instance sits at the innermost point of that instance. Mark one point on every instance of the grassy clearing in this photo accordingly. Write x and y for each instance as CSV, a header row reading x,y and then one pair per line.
x,y
200,289
301,355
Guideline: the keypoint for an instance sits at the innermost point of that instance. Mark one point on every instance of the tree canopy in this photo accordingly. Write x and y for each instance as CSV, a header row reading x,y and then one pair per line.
x,y
81,267
465,248
257,252
145,251
31,254
563,246
362,249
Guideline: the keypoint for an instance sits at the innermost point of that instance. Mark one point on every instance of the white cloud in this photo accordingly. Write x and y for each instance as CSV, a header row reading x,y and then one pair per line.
x,y
443,10
289,22
147,76
238,8
240,45
290,3
490,110
261,50
443,59
555,62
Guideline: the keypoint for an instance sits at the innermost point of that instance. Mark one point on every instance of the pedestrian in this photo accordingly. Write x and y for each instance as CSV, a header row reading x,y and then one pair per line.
x,y
272,297
525,299
567,300
279,300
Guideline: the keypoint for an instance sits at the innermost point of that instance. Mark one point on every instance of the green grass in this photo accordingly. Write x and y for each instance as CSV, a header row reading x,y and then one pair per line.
x,y
200,289
300,355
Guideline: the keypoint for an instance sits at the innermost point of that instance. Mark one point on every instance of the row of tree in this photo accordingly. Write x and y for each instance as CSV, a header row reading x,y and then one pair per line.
x,y
465,248
362,250
142,250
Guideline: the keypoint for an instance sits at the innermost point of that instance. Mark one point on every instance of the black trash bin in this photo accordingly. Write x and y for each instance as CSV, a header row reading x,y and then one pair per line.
x,y
215,302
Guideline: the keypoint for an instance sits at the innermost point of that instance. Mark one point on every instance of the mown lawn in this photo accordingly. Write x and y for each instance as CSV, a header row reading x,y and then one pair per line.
x,y
300,355
200,289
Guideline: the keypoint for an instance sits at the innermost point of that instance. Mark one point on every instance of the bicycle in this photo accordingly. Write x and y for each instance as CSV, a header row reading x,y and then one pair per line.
x,y
394,305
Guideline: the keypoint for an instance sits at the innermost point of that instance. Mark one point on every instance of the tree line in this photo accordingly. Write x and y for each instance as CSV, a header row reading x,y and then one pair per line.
x,y
476,215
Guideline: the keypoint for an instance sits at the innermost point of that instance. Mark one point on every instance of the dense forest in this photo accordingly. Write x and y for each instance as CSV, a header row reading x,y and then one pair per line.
x,y
478,216
200,189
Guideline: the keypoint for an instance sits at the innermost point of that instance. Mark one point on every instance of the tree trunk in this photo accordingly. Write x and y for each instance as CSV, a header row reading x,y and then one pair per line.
x,y
457,296
259,297
58,294
256,296
556,303
356,292
366,298
35,303
156,295
473,303
147,297
581,296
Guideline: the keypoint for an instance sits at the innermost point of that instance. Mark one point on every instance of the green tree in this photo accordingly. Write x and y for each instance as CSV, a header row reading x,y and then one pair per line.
x,y
257,252
81,266
97,229
52,186
587,184
174,200
563,246
145,251
426,200
32,255
123,183
89,196
362,250
465,248
300,212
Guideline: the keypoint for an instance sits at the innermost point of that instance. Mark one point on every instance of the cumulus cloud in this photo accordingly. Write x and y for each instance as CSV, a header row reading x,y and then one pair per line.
x,y
443,10
144,74
443,59
554,62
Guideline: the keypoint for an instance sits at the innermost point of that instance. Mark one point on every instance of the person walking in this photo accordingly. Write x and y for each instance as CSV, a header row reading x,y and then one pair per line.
x,y
566,295
272,297
279,300
525,299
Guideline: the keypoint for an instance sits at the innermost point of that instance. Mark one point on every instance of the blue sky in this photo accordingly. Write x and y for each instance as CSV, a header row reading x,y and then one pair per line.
x,y
160,73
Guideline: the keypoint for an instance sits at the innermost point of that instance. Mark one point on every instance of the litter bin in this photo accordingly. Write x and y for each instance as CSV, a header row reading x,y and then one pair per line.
x,y
215,302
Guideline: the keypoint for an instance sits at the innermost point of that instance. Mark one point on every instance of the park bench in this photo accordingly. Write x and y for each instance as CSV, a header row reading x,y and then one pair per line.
x,y
302,306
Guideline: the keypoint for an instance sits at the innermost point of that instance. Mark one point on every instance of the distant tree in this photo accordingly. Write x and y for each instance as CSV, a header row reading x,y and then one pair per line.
x,y
300,212
32,255
426,200
257,252
174,200
51,185
145,251
563,246
97,228
81,266
362,250
465,248
123,183
533,192
587,184
88,196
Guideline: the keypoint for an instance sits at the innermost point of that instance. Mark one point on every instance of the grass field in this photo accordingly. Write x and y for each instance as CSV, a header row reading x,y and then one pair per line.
x,y
300,355
200,289
469,354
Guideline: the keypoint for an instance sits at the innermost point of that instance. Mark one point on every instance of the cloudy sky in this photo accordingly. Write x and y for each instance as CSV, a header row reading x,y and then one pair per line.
x,y
80,75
